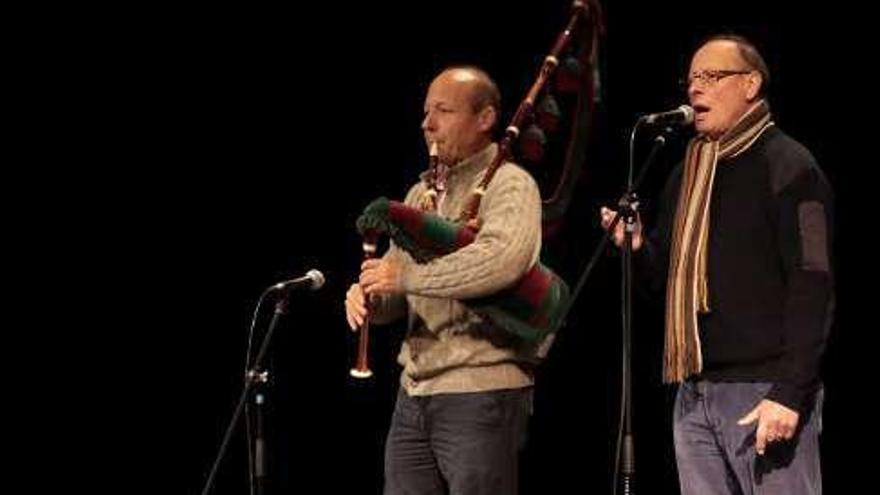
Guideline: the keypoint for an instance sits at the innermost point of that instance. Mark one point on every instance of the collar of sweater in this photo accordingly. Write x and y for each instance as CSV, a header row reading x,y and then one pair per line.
x,y
469,167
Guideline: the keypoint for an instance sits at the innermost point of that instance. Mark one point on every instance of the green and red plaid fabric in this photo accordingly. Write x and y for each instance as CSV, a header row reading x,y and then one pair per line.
x,y
531,309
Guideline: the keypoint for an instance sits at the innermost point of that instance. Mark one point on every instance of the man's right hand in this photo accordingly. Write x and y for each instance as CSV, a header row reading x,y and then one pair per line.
x,y
607,215
355,307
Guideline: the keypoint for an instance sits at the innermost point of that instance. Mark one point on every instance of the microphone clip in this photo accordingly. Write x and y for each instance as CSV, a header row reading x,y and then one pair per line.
x,y
628,208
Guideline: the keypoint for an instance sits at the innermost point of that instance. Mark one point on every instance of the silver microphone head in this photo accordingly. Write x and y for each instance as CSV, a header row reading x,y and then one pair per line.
x,y
317,279
688,114
312,280
682,116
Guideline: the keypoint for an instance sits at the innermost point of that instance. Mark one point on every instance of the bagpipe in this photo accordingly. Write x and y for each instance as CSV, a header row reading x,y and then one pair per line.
x,y
534,307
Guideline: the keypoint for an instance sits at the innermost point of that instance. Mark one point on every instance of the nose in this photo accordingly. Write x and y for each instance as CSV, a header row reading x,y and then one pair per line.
x,y
694,89
428,122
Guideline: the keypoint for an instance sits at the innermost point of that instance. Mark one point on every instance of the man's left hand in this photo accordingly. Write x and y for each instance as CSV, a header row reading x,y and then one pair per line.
x,y
775,423
380,276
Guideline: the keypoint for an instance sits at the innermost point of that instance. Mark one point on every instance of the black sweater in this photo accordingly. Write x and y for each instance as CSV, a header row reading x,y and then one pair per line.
x,y
769,267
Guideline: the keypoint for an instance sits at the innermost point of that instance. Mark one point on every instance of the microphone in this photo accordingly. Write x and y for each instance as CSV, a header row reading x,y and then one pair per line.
x,y
312,280
683,115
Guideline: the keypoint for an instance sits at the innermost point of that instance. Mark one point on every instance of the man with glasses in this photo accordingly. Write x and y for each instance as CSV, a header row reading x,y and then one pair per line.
x,y
742,246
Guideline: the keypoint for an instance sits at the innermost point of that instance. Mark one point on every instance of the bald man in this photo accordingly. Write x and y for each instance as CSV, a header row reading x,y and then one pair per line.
x,y
465,396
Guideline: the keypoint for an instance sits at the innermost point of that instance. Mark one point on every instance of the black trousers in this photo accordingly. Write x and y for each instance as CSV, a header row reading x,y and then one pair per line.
x,y
461,444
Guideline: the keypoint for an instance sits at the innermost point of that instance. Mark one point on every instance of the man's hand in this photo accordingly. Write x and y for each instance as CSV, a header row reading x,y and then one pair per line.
x,y
380,276
775,423
355,307
606,215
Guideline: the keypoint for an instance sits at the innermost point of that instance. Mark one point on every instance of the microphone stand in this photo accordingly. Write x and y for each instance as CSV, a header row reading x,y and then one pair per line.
x,y
627,211
255,378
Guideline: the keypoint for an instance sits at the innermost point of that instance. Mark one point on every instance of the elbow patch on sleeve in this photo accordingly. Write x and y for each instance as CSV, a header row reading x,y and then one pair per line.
x,y
814,236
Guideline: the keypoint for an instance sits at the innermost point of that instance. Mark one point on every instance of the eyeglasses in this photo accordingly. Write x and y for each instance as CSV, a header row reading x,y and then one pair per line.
x,y
709,77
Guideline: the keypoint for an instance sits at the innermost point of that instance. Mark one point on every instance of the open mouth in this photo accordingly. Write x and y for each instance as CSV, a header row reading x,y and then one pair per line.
x,y
701,109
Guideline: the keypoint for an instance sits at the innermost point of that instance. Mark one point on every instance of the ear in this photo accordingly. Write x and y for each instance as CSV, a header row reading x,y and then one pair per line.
x,y
754,80
486,118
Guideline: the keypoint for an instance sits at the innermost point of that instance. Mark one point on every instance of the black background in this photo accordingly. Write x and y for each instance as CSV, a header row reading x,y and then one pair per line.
x,y
246,141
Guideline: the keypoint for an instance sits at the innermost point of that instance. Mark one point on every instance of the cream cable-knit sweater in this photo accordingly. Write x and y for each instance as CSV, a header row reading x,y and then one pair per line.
x,y
448,348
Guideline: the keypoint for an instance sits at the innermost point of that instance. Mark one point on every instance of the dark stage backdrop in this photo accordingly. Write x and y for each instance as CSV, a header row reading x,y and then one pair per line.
x,y
265,131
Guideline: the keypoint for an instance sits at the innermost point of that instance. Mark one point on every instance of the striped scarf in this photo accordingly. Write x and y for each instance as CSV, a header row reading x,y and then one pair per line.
x,y
687,288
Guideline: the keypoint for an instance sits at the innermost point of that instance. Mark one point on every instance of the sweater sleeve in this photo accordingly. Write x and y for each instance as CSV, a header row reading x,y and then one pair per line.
x,y
652,260
803,205
506,246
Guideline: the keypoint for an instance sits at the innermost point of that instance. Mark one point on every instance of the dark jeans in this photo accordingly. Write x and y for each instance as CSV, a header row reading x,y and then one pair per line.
x,y
467,444
716,456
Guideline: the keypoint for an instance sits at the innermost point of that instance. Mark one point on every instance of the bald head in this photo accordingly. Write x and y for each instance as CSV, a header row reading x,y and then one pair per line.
x,y
482,89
